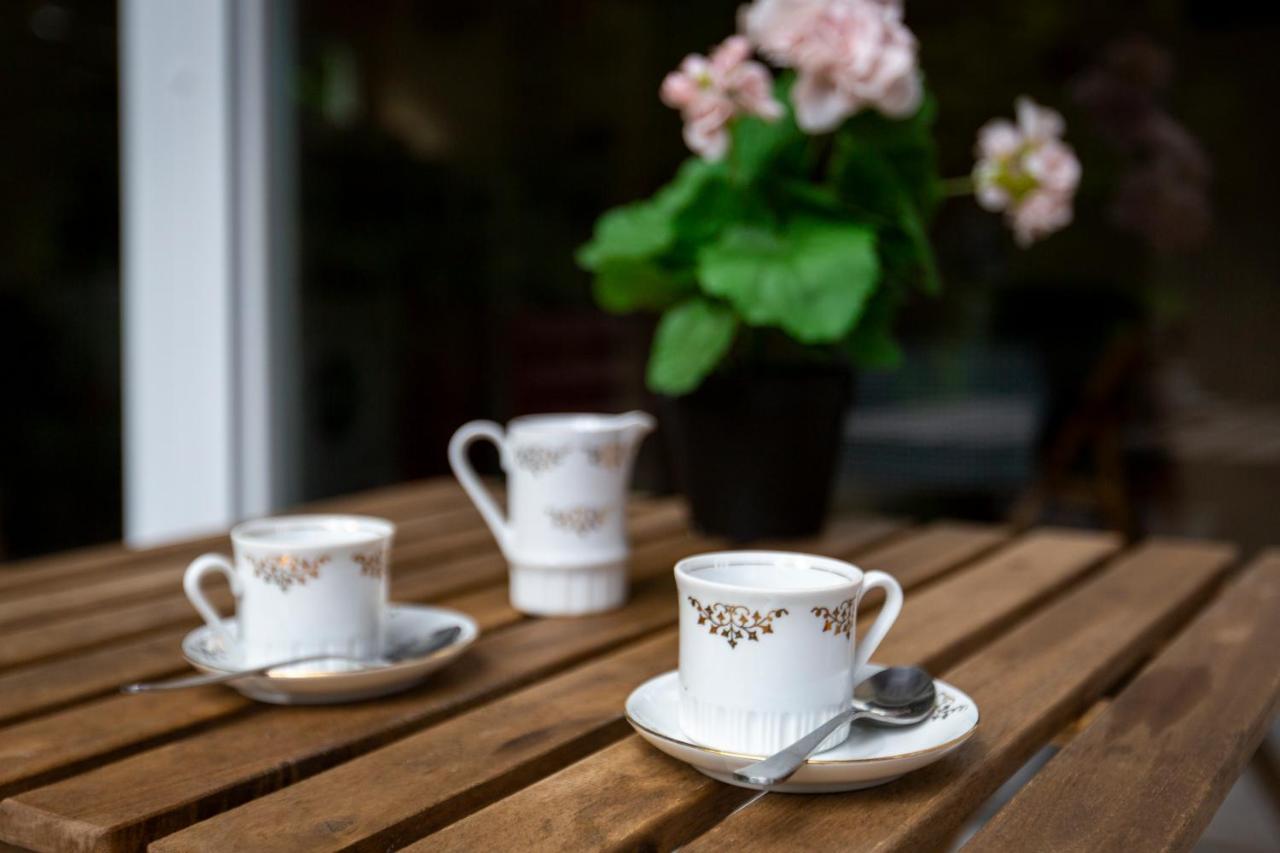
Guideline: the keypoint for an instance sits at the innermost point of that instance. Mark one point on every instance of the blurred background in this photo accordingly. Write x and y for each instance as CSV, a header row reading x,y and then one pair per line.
x,y
431,168
369,236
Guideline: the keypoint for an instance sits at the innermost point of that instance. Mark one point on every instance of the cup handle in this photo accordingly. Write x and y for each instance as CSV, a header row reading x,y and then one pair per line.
x,y
480,496
888,615
199,567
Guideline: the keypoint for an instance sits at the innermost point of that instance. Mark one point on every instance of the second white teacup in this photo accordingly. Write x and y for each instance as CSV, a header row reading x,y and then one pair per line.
x,y
304,585
768,648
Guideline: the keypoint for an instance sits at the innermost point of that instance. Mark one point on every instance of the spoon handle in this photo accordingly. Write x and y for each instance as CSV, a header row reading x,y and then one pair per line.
x,y
218,677
781,765
433,642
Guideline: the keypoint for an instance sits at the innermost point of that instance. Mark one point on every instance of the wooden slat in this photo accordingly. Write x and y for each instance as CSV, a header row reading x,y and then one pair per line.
x,y
969,608
935,550
402,501
1151,770
420,571
670,805
39,687
457,530
53,745
1028,684
46,747
42,688
415,524
491,751
123,805
176,784
419,541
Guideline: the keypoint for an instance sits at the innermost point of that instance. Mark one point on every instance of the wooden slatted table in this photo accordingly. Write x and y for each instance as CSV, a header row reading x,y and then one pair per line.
x,y
522,743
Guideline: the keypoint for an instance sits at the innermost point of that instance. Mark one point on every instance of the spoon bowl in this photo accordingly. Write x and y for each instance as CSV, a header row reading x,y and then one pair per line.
x,y
895,696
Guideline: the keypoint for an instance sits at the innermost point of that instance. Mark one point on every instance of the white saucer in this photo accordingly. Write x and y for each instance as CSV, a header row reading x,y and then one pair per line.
x,y
873,755
324,683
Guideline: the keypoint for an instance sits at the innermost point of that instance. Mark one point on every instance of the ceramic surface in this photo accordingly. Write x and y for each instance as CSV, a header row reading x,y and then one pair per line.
x,y
564,532
871,755
303,584
767,645
338,681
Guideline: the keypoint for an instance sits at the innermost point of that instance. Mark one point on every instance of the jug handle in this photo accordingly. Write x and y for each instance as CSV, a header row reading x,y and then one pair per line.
x,y
474,487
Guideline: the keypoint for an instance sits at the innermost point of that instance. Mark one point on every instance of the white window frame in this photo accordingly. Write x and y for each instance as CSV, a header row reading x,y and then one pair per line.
x,y
207,286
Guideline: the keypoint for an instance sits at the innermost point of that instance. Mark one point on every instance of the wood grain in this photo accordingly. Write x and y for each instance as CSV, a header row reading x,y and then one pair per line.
x,y
486,753
627,796
522,743
42,687
420,542
1151,770
456,531
470,760
1028,684
419,573
125,804
230,764
659,807
49,746
400,502
968,608
933,551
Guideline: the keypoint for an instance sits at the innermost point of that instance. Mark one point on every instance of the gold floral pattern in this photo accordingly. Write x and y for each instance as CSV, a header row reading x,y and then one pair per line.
x,y
536,459
286,570
735,622
946,706
372,564
579,519
838,621
610,455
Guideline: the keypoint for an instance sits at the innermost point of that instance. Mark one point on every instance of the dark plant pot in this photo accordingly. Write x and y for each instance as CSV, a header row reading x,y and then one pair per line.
x,y
755,449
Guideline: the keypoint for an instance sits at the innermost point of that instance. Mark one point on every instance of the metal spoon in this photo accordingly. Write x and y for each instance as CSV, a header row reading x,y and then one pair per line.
x,y
896,696
416,648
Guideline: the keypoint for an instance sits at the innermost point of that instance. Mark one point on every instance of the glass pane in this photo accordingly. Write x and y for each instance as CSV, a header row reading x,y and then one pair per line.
x,y
60,472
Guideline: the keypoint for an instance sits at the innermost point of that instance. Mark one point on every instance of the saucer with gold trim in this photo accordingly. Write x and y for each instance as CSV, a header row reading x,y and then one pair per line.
x,y
872,755
326,682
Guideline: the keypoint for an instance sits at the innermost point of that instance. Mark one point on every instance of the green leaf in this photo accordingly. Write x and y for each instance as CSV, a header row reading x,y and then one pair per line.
x,y
906,146
887,169
803,197
633,232
872,344
647,228
759,147
691,179
716,205
811,279
917,234
691,339
624,286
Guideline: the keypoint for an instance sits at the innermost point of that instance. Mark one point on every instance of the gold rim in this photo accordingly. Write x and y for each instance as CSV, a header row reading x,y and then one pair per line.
x,y
829,762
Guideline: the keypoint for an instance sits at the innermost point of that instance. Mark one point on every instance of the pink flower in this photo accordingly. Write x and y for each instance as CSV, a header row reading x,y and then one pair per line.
x,y
1027,171
710,92
1038,215
848,55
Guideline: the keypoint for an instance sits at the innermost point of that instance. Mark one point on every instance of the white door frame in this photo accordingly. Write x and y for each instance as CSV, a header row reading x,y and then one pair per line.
x,y
207,285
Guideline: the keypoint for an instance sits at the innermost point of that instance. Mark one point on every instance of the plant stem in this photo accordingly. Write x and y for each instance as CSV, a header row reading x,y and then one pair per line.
x,y
952,187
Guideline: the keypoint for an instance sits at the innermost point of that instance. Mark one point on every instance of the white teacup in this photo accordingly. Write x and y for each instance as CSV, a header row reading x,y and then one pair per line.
x,y
768,648
304,585
565,533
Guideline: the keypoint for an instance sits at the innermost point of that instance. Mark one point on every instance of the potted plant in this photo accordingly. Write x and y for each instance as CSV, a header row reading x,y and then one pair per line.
x,y
781,252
